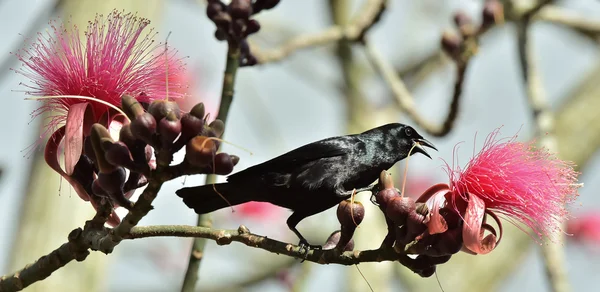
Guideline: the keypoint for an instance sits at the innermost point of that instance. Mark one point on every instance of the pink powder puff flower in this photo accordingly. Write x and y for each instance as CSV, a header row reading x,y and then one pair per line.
x,y
524,183
82,81
585,228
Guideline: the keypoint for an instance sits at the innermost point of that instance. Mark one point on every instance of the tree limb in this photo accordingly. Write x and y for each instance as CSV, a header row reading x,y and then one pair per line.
x,y
369,15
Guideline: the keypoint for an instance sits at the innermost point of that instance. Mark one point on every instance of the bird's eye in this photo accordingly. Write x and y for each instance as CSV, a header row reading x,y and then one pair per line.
x,y
408,132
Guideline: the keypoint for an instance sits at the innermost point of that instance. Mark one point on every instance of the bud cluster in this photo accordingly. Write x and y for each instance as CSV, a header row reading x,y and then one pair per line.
x,y
462,45
158,127
408,231
234,23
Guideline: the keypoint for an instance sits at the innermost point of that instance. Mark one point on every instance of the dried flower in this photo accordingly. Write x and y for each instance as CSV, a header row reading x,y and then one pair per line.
x,y
82,81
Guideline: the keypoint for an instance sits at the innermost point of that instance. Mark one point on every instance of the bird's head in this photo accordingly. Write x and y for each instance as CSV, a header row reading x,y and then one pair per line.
x,y
410,138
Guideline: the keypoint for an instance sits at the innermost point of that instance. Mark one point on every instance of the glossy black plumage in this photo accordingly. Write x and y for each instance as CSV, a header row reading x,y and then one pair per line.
x,y
314,177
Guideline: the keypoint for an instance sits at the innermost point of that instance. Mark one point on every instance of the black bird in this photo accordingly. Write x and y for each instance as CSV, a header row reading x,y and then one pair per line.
x,y
314,177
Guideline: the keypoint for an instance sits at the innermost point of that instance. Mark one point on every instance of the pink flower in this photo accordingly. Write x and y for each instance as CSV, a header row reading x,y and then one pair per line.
x,y
524,183
258,210
83,81
585,228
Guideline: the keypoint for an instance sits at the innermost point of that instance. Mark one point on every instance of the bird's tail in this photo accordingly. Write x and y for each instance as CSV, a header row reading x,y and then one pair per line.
x,y
212,197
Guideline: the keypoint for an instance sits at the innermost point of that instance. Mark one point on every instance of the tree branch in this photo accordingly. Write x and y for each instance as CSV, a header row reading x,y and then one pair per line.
x,y
244,236
369,15
227,92
554,14
544,122
405,100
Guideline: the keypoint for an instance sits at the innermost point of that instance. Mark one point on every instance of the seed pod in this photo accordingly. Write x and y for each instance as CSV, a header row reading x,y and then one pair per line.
x,y
144,128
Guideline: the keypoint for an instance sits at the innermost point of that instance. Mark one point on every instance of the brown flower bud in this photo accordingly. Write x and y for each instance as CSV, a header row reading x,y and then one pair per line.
x,y
252,26
212,9
241,9
118,154
131,106
452,44
493,13
198,111
223,164
200,151
162,108
217,127
169,129
334,239
144,127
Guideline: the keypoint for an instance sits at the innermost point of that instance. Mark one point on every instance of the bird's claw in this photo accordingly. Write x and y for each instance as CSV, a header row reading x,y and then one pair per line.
x,y
306,248
373,199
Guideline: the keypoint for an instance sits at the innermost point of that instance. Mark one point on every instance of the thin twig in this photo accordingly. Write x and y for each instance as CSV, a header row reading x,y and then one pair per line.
x,y
232,64
369,15
405,100
558,15
544,121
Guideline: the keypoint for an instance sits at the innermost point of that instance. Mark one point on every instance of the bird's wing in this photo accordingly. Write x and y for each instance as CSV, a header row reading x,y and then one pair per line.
x,y
294,160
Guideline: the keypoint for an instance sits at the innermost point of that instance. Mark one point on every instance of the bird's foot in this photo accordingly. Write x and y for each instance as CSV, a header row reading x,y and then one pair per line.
x,y
373,199
306,247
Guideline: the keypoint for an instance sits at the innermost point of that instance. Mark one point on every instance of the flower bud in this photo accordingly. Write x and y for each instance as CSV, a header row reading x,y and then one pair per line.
x,y
252,26
350,215
131,106
118,154
198,111
493,13
222,20
162,108
241,9
217,127
234,159
144,128
212,9
452,44
169,128
220,35
334,239
399,208
239,27
113,183
223,164
200,151
126,136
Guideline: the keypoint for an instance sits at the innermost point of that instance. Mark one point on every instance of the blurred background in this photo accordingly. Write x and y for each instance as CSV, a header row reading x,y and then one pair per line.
x,y
313,94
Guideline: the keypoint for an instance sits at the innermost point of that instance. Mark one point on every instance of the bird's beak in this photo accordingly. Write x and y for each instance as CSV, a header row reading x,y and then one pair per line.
x,y
420,145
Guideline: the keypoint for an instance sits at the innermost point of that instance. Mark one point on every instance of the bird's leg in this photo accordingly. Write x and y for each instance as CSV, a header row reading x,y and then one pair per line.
x,y
340,192
292,221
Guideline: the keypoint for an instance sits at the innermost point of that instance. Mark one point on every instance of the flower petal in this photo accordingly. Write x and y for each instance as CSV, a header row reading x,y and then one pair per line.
x,y
437,223
74,134
472,229
51,157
